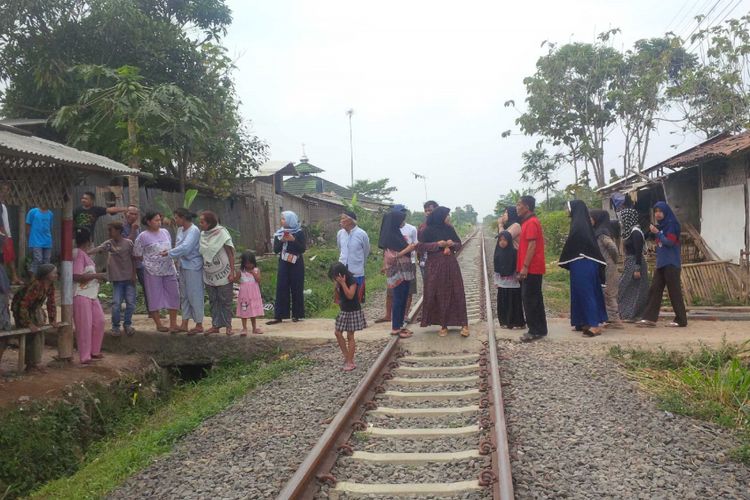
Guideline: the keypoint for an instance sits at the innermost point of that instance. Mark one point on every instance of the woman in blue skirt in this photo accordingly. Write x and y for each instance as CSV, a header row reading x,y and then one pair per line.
x,y
581,256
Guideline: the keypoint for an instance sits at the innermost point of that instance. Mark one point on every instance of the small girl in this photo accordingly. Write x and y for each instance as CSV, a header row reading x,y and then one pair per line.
x,y
350,318
249,301
509,307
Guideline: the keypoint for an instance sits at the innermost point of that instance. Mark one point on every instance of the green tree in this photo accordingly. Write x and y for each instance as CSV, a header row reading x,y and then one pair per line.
x,y
508,199
377,190
640,95
463,216
175,43
569,102
538,170
714,95
126,108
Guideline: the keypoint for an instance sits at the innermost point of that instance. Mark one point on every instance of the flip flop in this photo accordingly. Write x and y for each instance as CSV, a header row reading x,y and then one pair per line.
x,y
404,334
162,329
258,331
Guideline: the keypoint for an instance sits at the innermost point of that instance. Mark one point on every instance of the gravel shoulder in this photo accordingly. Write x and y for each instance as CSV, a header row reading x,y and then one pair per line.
x,y
252,448
578,428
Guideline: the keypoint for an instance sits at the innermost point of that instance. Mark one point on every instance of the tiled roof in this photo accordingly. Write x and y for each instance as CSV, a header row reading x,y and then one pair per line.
x,y
307,168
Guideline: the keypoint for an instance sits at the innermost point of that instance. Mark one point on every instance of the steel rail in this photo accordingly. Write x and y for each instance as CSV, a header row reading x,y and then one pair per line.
x,y
319,460
304,478
502,489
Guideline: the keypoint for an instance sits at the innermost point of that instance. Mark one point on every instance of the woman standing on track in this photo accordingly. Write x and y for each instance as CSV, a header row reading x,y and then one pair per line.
x,y
444,299
581,256
633,290
289,242
397,267
608,248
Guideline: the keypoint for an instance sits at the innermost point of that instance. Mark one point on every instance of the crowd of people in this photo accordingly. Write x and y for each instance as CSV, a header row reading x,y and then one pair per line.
x,y
201,262
600,297
173,277
432,248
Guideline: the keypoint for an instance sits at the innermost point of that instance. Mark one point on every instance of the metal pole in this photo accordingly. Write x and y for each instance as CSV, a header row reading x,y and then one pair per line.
x,y
65,337
351,145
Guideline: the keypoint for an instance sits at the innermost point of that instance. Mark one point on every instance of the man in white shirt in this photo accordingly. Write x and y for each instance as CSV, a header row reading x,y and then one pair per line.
x,y
354,248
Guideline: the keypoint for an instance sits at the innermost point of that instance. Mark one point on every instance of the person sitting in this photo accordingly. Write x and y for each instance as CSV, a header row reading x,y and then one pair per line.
x,y
27,311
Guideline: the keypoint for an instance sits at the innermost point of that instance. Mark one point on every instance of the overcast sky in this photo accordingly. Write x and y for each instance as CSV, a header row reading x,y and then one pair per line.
x,y
427,81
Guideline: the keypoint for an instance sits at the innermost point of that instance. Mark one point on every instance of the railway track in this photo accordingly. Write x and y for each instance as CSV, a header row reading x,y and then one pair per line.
x,y
426,420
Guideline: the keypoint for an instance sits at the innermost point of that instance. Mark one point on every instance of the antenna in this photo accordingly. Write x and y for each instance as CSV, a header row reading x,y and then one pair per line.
x,y
424,180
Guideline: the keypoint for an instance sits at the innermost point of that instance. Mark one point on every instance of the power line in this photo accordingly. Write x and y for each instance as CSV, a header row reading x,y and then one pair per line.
x,y
714,22
700,21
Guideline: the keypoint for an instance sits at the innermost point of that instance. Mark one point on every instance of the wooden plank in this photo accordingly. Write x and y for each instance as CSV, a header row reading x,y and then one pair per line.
x,y
21,354
25,331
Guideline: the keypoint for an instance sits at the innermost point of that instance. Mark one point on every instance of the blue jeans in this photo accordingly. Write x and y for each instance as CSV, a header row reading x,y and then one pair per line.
x,y
39,256
122,290
398,311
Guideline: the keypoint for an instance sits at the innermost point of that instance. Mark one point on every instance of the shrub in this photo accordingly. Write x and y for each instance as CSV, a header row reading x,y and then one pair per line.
x,y
556,226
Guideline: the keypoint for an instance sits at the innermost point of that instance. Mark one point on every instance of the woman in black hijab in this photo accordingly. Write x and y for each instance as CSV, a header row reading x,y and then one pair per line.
x,y
607,246
581,256
511,222
397,267
509,306
444,299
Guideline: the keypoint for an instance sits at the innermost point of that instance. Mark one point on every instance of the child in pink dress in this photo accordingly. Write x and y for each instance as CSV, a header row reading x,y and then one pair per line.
x,y
249,301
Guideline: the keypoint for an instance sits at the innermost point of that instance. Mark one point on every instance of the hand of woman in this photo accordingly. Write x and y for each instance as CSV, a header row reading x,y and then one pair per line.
x,y
447,251
287,237
636,275
33,328
449,243
341,279
653,229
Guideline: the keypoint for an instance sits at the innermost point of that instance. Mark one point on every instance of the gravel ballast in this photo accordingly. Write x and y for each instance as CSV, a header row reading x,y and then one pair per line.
x,y
578,428
252,448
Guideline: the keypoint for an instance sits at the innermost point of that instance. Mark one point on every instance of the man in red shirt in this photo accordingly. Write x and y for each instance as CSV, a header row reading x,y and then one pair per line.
x,y
531,269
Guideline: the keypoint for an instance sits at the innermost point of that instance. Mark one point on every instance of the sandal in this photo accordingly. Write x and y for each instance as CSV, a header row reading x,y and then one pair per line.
x,y
162,329
465,331
403,334
258,331
210,331
673,324
229,332
644,323
443,332
243,333
193,331
395,332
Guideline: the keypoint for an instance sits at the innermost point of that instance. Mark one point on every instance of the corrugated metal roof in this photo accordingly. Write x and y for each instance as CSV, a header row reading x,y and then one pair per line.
x,y
274,167
54,152
720,146
305,167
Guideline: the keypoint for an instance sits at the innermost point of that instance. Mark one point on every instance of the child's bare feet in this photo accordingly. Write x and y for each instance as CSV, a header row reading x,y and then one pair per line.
x,y
243,333
349,367
229,332
258,331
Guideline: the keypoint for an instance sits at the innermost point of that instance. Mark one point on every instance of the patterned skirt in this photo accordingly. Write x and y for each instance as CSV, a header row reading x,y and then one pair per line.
x,y
632,294
350,321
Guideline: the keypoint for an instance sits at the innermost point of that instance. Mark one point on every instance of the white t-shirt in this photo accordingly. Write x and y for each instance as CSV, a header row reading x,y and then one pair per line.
x,y
410,234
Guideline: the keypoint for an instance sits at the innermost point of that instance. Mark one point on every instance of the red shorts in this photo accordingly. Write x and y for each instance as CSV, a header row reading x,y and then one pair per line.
x,y
9,252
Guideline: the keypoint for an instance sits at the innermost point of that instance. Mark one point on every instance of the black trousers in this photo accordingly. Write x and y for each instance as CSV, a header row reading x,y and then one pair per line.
x,y
668,276
533,305
290,280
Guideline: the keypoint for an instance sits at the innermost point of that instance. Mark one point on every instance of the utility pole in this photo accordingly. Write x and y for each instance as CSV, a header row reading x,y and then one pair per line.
x,y
350,112
424,179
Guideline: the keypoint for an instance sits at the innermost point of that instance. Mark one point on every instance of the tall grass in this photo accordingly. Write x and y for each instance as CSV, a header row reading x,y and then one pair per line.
x,y
710,384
